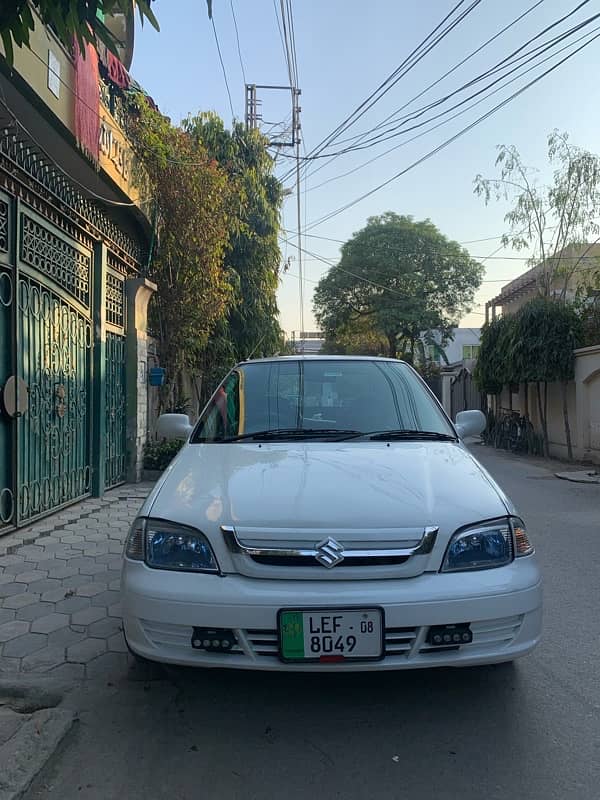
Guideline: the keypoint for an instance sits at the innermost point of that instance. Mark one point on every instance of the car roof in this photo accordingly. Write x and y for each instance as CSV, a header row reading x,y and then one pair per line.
x,y
320,358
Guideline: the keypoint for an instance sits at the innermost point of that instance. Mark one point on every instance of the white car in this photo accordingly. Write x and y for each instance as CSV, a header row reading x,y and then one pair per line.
x,y
325,514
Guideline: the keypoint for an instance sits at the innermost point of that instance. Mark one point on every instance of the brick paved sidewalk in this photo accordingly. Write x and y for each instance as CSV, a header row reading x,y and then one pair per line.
x,y
60,610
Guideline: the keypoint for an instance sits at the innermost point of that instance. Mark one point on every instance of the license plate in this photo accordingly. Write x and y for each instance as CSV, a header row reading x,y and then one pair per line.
x,y
331,634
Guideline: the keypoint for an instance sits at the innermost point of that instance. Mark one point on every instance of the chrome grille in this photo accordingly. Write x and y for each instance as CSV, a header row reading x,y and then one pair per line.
x,y
309,561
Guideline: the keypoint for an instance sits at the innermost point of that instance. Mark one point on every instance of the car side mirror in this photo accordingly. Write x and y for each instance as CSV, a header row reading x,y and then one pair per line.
x,y
470,423
174,426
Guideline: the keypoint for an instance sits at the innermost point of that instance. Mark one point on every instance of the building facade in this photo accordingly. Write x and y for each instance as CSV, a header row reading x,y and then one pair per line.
x,y
463,346
73,296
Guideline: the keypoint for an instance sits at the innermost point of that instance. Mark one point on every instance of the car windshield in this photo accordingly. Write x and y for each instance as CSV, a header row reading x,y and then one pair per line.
x,y
320,398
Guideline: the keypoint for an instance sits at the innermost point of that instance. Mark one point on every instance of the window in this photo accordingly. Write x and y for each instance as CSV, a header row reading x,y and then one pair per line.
x,y
433,353
470,351
358,395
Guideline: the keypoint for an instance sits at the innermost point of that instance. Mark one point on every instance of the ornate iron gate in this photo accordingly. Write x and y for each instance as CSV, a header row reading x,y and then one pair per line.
x,y
7,366
115,409
64,262
46,398
115,378
54,351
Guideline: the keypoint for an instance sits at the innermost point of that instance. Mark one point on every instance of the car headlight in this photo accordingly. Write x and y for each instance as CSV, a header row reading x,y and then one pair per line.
x,y
484,546
167,545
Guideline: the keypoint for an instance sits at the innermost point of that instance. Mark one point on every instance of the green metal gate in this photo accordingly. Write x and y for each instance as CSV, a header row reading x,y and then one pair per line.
x,y
7,365
64,264
46,419
114,372
115,410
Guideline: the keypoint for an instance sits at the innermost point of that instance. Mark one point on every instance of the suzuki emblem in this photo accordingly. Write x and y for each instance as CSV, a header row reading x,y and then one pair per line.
x,y
329,552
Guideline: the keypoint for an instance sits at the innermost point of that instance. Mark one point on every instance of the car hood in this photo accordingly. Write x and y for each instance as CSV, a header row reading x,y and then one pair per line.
x,y
327,486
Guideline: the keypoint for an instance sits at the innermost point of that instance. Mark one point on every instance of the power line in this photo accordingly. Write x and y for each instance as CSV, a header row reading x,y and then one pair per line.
x,y
397,74
286,45
526,57
222,66
400,122
280,33
292,32
453,138
504,64
343,241
237,37
457,66
505,61
447,119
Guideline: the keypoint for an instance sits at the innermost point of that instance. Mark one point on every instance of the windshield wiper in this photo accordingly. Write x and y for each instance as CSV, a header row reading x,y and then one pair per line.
x,y
411,435
290,433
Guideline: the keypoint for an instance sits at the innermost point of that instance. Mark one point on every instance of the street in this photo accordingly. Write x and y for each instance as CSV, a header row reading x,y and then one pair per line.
x,y
528,731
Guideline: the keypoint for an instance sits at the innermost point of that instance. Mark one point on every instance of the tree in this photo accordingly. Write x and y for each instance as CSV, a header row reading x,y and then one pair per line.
x,y
194,212
556,221
82,20
535,345
544,337
362,340
400,277
492,370
254,255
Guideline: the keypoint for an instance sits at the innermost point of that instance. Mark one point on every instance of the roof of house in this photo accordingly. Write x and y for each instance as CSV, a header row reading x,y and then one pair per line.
x,y
523,284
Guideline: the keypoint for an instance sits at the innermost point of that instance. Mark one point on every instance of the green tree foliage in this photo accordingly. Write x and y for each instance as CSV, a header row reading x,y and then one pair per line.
x,y
254,256
362,340
555,221
401,278
535,345
544,336
491,370
79,19
195,216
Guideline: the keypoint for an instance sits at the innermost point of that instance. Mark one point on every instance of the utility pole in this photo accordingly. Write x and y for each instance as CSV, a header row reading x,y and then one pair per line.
x,y
253,120
296,136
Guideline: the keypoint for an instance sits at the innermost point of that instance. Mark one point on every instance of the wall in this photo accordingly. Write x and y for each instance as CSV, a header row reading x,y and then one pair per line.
x,y
32,64
46,63
587,375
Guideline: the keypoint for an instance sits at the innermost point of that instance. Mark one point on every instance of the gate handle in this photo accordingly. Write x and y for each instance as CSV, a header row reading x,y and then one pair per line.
x,y
15,397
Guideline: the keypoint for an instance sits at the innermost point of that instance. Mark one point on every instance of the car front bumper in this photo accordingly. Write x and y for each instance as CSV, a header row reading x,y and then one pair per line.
x,y
504,607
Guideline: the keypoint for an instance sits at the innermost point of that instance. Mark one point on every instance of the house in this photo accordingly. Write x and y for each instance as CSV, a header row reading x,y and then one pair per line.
x,y
74,237
573,268
566,272
463,346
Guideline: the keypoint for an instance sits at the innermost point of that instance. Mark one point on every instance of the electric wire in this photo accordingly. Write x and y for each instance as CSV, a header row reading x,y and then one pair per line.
x,y
237,38
212,19
451,139
396,75
446,120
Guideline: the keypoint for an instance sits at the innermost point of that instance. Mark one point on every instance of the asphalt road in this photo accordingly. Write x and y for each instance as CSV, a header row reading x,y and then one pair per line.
x,y
528,731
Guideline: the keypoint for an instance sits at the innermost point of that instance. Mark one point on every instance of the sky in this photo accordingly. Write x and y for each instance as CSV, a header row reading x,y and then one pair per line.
x,y
345,49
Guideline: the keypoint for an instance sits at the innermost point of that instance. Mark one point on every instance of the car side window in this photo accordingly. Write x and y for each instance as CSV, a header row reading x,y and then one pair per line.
x,y
223,416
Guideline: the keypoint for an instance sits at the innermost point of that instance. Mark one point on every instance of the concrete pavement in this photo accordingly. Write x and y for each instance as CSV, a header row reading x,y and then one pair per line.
x,y
60,613
528,731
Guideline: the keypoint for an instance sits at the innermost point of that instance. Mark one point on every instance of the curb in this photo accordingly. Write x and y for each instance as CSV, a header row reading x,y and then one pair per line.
x,y
39,727
579,476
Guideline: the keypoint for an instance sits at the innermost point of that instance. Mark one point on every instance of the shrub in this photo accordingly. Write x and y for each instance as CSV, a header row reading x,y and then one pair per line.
x,y
158,455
